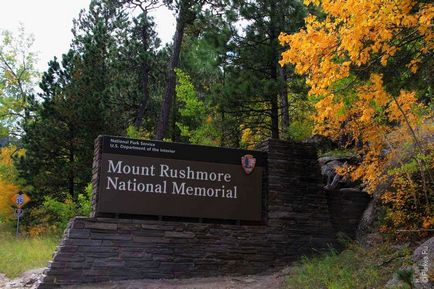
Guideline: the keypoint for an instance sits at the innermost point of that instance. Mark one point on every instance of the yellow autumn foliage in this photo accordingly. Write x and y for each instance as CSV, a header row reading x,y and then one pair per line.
x,y
342,53
8,175
351,33
7,190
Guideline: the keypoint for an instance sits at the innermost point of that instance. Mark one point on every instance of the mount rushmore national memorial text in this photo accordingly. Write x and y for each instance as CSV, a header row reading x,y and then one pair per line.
x,y
141,177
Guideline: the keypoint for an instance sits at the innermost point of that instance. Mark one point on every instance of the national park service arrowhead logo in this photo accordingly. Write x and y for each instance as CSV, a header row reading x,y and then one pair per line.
x,y
248,162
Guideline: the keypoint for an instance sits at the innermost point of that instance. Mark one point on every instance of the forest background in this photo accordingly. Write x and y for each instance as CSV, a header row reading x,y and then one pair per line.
x,y
359,73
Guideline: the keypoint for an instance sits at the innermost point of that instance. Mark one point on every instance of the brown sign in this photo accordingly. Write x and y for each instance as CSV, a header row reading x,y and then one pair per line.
x,y
169,179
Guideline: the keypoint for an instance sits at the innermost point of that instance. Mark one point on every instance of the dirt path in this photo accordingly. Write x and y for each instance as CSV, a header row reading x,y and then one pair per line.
x,y
266,281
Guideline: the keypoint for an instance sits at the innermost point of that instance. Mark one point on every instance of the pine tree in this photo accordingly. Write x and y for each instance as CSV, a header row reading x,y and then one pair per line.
x,y
79,102
256,86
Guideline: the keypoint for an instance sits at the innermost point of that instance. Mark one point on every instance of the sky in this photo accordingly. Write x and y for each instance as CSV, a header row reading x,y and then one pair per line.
x,y
50,22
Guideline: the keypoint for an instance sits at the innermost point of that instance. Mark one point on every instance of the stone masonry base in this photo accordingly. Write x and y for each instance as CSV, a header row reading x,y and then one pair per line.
x,y
296,219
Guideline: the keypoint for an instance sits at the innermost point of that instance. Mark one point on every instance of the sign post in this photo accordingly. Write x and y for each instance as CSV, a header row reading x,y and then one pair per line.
x,y
19,200
18,214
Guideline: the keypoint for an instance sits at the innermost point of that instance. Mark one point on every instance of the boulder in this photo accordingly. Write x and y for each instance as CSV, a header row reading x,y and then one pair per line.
x,y
329,165
366,231
346,207
423,265
28,279
3,280
397,282
321,142
345,199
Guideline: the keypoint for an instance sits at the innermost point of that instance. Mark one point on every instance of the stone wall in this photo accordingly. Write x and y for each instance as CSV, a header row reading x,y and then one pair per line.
x,y
296,220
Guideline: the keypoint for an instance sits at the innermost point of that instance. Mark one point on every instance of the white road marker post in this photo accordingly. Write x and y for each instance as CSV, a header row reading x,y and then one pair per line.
x,y
18,213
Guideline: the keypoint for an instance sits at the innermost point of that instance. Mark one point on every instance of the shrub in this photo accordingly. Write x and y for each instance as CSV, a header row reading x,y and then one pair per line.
x,y
54,216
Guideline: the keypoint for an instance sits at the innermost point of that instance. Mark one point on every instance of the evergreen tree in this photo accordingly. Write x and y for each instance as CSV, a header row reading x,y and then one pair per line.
x,y
186,13
203,57
51,139
256,86
80,101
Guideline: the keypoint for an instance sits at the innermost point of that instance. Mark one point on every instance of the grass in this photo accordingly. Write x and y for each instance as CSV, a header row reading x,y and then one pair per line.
x,y
18,255
354,268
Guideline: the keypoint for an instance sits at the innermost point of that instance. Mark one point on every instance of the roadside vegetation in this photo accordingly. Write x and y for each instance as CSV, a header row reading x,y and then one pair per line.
x,y
21,254
355,267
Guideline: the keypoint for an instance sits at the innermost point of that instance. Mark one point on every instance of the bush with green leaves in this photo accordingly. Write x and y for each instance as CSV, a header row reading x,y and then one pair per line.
x,y
54,215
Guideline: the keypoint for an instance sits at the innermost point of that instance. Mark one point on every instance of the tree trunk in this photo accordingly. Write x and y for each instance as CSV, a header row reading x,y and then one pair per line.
x,y
273,69
422,165
169,93
274,117
284,101
143,103
71,154
222,129
144,81
174,132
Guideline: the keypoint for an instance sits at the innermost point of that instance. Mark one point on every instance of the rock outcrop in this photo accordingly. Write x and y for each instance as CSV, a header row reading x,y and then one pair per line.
x,y
423,265
28,279
346,200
